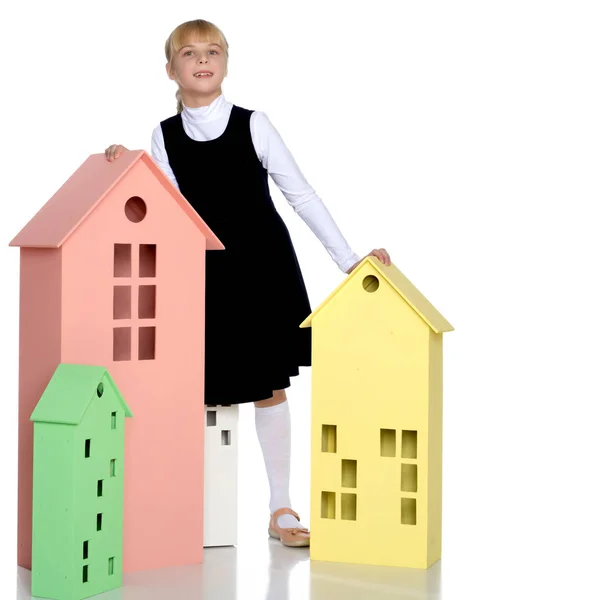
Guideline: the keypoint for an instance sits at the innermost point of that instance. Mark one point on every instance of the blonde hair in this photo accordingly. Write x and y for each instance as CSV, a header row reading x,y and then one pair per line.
x,y
197,30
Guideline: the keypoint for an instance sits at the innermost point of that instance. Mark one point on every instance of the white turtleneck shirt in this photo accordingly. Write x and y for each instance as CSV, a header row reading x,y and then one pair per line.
x,y
209,122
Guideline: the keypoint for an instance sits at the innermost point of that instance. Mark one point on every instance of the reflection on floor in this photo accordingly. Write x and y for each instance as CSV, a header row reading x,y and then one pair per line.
x,y
267,570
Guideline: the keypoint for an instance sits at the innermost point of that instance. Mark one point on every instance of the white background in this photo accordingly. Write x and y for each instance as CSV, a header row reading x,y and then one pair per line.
x,y
464,137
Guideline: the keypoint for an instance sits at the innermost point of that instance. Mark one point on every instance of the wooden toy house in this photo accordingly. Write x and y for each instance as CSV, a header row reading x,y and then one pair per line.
x,y
113,274
220,475
376,448
78,461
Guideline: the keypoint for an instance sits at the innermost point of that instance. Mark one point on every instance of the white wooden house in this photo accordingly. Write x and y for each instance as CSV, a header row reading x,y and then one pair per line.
x,y
220,474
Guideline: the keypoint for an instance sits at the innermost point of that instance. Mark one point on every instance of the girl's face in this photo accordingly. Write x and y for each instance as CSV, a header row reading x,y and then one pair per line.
x,y
199,68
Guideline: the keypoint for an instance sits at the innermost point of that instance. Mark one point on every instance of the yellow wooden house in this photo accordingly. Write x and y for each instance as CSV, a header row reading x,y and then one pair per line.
x,y
376,448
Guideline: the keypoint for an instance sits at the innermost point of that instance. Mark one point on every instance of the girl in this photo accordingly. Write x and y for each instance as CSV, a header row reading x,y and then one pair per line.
x,y
219,155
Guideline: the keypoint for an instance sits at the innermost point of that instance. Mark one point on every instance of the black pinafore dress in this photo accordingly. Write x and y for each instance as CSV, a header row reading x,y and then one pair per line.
x,y
255,293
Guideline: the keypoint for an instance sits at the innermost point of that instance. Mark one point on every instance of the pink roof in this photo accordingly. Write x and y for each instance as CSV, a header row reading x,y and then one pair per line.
x,y
85,189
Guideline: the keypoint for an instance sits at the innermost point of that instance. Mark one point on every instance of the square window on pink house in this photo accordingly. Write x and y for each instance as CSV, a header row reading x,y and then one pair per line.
x,y
121,343
147,302
122,302
122,260
147,260
147,343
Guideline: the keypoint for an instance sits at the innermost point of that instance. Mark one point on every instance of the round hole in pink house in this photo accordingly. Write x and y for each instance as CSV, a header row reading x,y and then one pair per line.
x,y
135,209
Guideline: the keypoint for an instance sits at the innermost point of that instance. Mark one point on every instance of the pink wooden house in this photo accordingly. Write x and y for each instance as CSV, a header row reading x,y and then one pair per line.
x,y
112,274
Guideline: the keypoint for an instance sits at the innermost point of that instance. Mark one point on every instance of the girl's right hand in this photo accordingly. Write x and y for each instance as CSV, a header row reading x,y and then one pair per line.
x,y
114,151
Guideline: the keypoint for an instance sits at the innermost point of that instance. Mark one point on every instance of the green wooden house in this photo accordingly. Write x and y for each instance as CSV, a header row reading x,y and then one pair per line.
x,y
78,452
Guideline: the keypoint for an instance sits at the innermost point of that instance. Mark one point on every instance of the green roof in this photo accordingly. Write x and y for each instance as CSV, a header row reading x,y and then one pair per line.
x,y
70,392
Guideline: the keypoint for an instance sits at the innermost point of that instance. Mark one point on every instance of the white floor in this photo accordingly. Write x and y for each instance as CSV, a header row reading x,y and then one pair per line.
x,y
263,569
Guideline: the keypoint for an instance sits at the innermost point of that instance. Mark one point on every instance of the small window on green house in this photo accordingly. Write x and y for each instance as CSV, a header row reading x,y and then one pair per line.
x,y
113,420
88,444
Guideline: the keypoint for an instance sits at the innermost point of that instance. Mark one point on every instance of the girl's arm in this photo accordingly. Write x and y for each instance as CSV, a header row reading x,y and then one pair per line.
x,y
159,154
279,162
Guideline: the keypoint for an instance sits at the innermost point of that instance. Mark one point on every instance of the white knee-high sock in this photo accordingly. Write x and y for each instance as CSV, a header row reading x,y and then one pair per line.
x,y
273,428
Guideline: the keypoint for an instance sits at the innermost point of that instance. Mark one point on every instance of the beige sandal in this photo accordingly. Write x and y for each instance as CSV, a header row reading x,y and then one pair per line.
x,y
290,536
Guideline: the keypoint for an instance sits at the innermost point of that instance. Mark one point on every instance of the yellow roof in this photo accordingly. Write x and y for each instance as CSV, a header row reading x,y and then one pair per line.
x,y
402,285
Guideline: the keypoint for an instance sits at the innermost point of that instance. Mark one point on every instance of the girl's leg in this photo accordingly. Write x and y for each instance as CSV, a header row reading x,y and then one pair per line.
x,y
272,418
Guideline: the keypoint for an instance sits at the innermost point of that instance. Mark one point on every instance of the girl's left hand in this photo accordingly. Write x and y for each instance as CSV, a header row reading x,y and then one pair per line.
x,y
380,253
